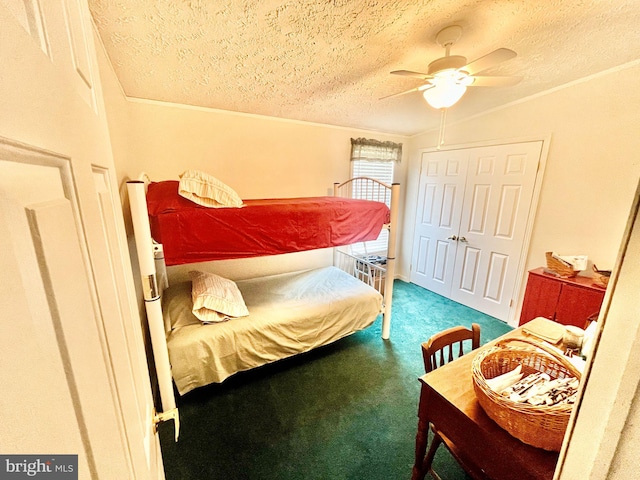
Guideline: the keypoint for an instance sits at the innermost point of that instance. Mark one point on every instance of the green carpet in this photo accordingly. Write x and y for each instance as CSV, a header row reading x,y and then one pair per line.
x,y
344,411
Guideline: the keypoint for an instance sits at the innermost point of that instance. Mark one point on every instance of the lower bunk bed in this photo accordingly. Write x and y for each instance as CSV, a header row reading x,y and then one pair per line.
x,y
289,313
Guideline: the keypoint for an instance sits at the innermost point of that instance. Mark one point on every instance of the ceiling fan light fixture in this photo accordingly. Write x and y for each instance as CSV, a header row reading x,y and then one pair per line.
x,y
444,94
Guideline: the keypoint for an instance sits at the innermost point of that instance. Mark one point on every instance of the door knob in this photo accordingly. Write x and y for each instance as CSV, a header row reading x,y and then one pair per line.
x,y
462,239
452,237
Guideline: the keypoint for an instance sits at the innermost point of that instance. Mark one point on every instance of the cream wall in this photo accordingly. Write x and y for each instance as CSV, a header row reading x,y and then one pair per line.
x,y
260,157
592,168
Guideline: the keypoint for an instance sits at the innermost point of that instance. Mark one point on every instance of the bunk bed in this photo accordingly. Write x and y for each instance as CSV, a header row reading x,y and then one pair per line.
x,y
286,314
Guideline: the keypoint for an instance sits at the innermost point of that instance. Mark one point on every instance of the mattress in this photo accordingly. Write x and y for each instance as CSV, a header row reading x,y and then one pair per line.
x,y
288,314
192,233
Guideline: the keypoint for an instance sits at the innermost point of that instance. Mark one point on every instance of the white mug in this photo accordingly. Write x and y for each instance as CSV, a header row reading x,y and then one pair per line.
x,y
573,337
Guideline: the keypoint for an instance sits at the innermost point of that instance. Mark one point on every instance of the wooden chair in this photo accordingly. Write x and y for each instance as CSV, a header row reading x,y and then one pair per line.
x,y
443,347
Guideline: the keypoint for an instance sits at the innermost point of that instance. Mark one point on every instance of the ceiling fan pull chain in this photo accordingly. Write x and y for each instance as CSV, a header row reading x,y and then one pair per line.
x,y
443,117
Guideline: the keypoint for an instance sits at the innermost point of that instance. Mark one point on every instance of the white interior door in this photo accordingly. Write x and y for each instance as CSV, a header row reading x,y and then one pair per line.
x,y
441,192
74,378
475,261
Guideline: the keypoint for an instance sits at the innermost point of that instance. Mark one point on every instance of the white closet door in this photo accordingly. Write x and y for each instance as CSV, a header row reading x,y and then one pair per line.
x,y
472,213
498,195
442,181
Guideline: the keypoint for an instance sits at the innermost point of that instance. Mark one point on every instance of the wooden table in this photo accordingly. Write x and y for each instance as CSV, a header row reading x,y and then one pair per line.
x,y
447,400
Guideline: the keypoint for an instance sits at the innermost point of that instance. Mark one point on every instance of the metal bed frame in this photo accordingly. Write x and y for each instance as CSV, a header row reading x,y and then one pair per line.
x,y
154,278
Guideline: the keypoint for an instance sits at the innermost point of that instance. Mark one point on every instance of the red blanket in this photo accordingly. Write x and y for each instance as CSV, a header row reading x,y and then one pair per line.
x,y
191,233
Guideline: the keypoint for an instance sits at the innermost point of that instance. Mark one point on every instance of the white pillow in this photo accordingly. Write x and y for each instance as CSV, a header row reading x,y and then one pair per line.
x,y
208,191
215,299
177,307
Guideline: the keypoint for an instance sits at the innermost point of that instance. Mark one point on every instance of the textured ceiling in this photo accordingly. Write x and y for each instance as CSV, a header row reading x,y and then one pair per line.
x,y
328,61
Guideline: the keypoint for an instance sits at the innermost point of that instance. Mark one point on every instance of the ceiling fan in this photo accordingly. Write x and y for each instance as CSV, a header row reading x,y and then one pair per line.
x,y
448,77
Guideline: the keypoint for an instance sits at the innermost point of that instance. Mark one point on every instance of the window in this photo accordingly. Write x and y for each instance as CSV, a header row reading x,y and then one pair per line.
x,y
373,159
380,170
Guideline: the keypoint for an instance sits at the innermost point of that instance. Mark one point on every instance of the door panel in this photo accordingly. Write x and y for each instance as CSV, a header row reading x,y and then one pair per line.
x,y
471,257
495,277
506,223
478,218
421,256
441,265
447,209
483,212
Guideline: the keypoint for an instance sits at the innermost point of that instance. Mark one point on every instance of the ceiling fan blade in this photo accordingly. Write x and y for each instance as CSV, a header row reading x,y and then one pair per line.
x,y
494,81
489,60
409,73
421,88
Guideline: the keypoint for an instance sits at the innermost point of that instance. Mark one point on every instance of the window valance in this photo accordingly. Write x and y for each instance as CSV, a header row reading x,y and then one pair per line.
x,y
375,150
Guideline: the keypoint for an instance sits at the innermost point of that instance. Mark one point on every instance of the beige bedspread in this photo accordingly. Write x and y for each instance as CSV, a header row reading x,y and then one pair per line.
x,y
288,314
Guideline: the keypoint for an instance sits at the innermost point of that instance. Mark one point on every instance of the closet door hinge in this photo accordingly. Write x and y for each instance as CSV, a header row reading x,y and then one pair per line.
x,y
169,415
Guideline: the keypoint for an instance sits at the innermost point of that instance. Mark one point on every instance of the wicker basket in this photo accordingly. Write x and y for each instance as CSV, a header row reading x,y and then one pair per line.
x,y
542,426
602,276
560,267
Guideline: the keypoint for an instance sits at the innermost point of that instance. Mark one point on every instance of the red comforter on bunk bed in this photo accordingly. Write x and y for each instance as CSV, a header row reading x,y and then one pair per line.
x,y
191,233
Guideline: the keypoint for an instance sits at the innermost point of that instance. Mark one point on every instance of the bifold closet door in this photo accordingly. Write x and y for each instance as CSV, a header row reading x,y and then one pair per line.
x,y
470,226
